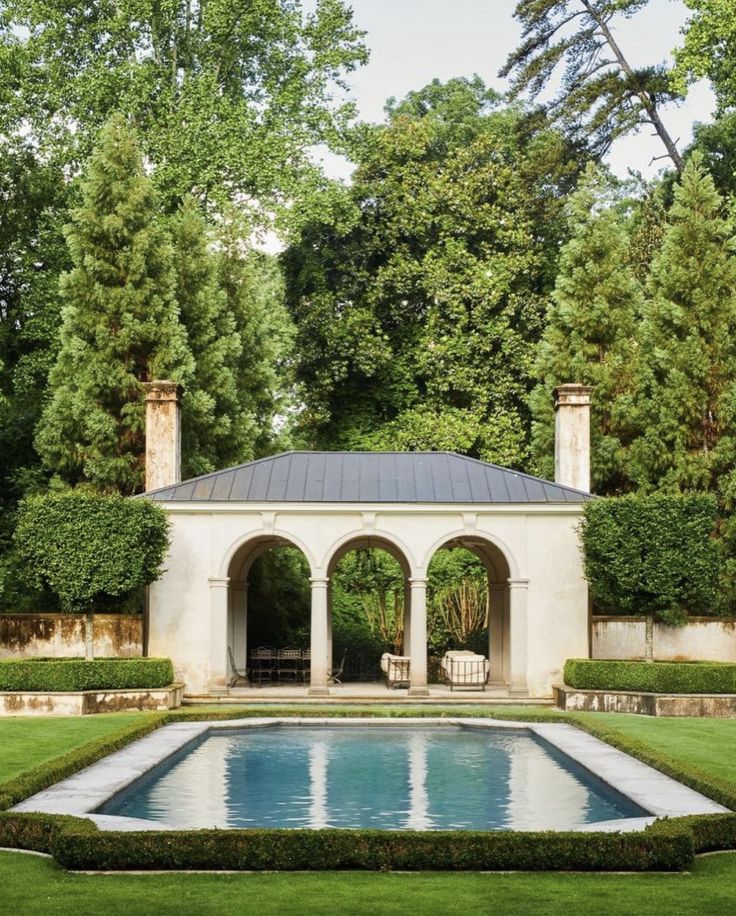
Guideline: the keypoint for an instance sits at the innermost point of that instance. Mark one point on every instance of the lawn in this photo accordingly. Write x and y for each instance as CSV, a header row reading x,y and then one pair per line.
x,y
32,885
36,885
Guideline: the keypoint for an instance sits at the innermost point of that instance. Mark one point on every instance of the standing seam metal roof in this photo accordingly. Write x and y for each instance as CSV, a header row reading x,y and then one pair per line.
x,y
369,477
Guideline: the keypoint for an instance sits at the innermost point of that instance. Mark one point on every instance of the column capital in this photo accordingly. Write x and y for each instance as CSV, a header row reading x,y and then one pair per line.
x,y
418,581
518,583
216,582
319,581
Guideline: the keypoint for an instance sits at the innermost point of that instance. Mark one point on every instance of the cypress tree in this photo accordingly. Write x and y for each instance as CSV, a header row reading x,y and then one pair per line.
x,y
686,393
120,323
589,335
210,405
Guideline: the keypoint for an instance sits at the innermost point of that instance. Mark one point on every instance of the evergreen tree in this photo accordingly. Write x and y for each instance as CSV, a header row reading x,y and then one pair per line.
x,y
686,397
120,323
210,405
589,335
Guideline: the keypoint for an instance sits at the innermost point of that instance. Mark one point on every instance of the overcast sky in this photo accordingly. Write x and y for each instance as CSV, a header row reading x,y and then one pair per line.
x,y
414,41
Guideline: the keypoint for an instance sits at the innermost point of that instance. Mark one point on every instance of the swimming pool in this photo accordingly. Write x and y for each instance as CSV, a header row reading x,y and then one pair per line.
x,y
407,777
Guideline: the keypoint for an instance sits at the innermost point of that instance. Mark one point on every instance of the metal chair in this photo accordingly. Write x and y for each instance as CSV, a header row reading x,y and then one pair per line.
x,y
263,667
288,665
236,675
334,674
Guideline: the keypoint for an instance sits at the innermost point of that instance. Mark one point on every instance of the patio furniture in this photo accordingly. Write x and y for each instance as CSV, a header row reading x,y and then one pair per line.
x,y
334,674
396,669
263,665
289,665
465,670
236,675
306,664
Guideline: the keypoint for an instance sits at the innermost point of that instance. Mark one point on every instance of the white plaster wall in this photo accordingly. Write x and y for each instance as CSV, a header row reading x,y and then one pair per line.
x,y
557,600
540,545
701,639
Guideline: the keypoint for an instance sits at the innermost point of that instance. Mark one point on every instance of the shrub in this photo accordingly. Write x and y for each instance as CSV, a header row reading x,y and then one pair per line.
x,y
664,847
85,547
656,677
65,674
652,555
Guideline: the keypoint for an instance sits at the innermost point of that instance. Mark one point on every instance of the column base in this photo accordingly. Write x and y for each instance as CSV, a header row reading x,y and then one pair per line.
x,y
418,692
318,692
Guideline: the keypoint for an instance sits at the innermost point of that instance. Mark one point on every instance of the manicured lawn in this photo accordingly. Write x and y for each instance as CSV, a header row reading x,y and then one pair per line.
x,y
26,743
31,885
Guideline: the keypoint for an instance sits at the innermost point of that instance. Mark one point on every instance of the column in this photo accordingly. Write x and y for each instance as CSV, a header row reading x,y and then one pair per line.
x,y
330,653
418,639
239,628
572,436
318,641
219,666
406,646
496,593
518,637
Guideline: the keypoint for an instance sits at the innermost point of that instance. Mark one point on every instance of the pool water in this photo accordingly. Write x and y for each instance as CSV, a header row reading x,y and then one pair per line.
x,y
388,778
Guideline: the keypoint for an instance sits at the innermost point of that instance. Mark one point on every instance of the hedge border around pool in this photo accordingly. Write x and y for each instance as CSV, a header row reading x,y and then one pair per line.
x,y
651,677
66,675
673,841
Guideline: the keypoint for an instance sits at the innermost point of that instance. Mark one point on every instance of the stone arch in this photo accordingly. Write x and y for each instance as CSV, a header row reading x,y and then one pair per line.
x,y
244,550
476,541
381,540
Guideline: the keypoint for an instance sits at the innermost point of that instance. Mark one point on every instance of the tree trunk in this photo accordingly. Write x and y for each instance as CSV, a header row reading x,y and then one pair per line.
x,y
646,100
89,645
649,639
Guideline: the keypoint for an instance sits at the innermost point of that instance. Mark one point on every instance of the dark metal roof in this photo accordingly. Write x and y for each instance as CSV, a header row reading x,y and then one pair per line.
x,y
368,477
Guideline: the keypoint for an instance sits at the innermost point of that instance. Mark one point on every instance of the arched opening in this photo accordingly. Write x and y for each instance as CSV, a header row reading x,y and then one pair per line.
x,y
268,628
468,609
367,607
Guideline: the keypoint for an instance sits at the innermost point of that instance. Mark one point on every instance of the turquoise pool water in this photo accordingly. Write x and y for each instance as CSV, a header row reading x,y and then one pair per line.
x,y
389,778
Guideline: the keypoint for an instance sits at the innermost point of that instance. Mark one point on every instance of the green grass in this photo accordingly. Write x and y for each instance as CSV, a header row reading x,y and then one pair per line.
x,y
32,886
27,742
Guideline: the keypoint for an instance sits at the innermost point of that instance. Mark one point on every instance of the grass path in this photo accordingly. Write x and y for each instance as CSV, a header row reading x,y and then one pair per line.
x,y
32,885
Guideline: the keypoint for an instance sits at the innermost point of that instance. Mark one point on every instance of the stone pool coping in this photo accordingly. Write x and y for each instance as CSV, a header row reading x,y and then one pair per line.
x,y
84,792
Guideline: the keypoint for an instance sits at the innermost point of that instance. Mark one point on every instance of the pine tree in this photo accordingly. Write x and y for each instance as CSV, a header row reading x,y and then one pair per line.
x,y
589,334
210,406
120,323
686,394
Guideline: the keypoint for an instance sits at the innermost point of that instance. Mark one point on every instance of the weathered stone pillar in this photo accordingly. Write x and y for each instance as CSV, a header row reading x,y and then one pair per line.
x,y
219,602
318,638
418,639
496,594
518,637
572,436
163,434
406,644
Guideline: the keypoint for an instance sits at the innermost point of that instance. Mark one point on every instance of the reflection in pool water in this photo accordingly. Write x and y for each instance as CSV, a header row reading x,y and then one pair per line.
x,y
390,778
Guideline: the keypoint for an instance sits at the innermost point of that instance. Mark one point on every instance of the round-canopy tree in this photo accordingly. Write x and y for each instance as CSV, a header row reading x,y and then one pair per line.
x,y
84,547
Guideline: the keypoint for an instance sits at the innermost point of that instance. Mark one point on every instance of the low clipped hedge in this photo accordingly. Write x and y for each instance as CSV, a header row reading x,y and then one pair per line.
x,y
666,846
651,677
70,674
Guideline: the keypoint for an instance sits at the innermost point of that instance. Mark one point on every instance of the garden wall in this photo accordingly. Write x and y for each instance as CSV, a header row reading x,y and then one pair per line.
x,y
701,639
62,635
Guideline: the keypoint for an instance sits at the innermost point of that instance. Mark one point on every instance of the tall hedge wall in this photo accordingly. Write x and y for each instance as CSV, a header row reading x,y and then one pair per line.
x,y
652,555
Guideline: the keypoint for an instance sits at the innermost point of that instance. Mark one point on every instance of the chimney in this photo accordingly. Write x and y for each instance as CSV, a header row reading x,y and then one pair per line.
x,y
572,436
163,434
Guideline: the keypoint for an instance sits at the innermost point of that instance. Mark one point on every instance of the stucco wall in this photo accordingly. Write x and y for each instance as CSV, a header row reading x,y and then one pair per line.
x,y
539,543
701,639
62,635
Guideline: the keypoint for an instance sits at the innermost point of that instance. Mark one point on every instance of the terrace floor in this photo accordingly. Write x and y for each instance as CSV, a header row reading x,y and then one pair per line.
x,y
361,692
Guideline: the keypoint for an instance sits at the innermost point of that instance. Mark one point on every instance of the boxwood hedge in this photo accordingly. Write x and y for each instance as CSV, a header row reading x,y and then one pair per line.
x,y
651,677
67,674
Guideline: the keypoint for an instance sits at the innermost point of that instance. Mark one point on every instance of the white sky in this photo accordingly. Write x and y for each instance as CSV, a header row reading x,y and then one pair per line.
x,y
414,41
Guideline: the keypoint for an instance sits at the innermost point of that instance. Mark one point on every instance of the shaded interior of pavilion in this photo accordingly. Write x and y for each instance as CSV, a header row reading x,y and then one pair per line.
x,y
289,630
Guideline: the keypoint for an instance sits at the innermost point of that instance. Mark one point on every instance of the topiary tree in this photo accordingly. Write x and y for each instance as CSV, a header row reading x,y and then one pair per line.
x,y
84,547
653,556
